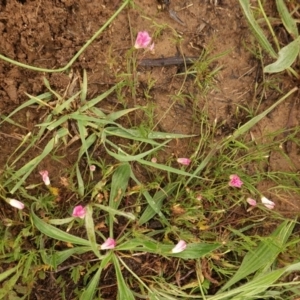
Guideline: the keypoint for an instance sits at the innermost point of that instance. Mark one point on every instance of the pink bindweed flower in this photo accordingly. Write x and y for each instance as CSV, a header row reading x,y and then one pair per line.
x,y
92,168
184,161
251,201
15,203
267,203
179,247
108,244
199,197
235,181
45,177
79,212
154,160
143,40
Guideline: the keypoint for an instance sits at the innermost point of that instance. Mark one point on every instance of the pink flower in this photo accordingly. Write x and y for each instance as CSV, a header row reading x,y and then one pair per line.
x,y
79,212
179,247
235,181
143,40
108,244
154,160
199,197
267,203
15,203
251,201
92,168
45,177
184,161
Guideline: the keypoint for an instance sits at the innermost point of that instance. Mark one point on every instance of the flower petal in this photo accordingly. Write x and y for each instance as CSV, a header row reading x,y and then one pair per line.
x,y
251,202
92,168
79,212
15,203
143,40
267,203
179,247
45,177
235,181
184,161
108,244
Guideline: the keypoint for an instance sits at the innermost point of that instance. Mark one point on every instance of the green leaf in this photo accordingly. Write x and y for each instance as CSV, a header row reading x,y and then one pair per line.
x,y
246,127
286,56
10,283
89,293
118,187
113,211
154,206
289,23
257,31
123,290
58,257
4,275
264,255
118,114
33,100
90,229
28,168
80,182
56,233
134,133
123,156
119,184
84,88
192,251
61,221
167,168
96,100
65,105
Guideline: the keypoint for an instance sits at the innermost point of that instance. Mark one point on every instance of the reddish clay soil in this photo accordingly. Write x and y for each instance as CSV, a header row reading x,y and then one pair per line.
x,y
49,33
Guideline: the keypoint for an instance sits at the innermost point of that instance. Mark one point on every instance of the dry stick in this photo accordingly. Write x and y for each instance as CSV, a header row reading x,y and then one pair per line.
x,y
69,64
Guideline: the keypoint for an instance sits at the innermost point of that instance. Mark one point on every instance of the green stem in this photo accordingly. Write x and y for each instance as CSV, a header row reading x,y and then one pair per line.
x,y
269,25
69,64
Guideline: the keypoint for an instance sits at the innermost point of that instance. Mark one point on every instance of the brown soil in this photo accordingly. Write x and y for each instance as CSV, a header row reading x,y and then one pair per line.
x,y
48,34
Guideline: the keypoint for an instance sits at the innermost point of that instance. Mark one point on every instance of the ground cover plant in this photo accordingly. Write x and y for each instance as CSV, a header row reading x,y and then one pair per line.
x,y
126,176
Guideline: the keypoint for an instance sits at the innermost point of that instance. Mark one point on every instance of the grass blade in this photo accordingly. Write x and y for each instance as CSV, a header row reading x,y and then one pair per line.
x,y
119,185
7,273
257,31
28,168
90,229
123,290
89,293
56,233
264,255
153,204
83,88
287,20
244,128
158,198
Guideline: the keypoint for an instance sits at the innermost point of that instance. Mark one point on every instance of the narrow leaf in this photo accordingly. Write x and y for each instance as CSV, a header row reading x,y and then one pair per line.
x,y
89,293
119,185
56,233
264,254
123,290
289,23
286,56
155,205
90,229
257,31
